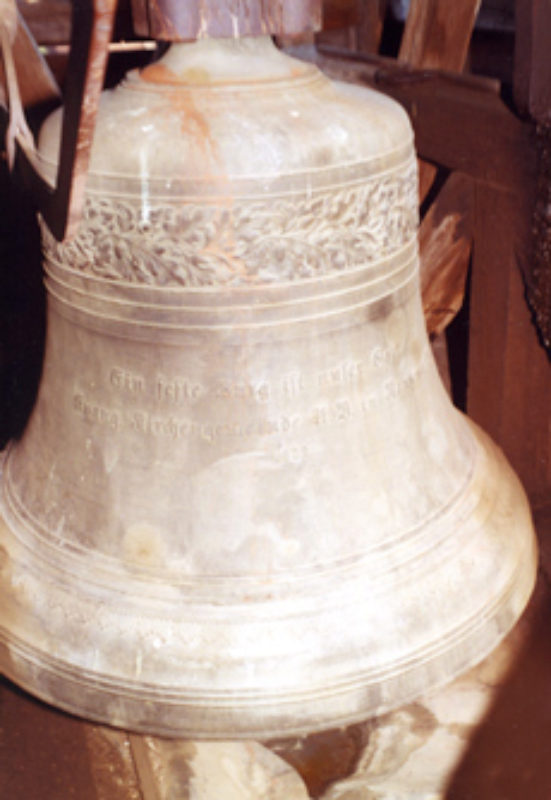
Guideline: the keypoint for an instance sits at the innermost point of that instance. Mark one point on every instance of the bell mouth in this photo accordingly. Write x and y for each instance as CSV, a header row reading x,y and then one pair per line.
x,y
250,659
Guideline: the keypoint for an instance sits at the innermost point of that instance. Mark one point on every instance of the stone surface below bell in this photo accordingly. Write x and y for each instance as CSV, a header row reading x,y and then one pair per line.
x,y
243,505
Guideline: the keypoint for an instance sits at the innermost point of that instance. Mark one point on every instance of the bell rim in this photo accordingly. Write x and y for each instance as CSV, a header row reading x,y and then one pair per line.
x,y
259,713
202,716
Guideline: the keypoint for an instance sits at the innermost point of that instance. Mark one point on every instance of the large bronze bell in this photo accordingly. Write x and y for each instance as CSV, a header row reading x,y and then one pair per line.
x,y
244,505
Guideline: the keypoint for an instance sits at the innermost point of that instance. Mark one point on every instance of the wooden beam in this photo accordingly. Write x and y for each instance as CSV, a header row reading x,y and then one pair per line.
x,y
112,764
445,241
35,80
437,34
532,77
61,206
49,20
370,25
509,379
532,87
43,752
183,768
339,13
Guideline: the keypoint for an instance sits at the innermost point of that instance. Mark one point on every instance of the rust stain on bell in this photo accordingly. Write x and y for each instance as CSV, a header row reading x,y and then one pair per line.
x,y
243,505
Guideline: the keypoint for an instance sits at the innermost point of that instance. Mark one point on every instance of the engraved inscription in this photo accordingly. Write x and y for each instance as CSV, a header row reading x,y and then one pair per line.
x,y
94,413
127,381
181,391
331,414
392,389
347,373
348,391
292,385
259,392
182,428
177,391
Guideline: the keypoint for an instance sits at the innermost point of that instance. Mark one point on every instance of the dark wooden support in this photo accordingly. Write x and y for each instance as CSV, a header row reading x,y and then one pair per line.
x,y
59,767
509,388
437,34
445,241
341,13
370,25
533,97
61,205
35,80
532,81
49,20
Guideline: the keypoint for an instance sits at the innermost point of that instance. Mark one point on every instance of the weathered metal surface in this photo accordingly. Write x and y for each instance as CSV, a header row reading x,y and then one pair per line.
x,y
479,732
176,21
244,506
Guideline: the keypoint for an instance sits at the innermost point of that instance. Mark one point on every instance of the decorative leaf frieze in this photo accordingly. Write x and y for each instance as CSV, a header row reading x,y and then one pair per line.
x,y
243,241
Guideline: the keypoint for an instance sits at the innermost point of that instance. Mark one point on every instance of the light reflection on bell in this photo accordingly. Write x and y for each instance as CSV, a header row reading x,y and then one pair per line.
x,y
243,505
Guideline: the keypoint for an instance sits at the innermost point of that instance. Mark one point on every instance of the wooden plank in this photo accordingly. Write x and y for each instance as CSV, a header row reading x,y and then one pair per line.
x,y
35,80
437,34
533,97
339,13
445,240
507,756
537,266
142,751
111,763
49,20
48,755
532,76
62,206
43,752
325,757
509,379
370,25
218,770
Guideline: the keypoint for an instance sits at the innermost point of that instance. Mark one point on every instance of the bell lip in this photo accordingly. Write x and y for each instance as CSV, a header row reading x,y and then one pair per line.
x,y
201,718
262,714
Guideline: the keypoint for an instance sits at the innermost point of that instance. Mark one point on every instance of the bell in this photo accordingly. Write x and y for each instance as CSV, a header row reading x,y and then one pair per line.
x,y
244,505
